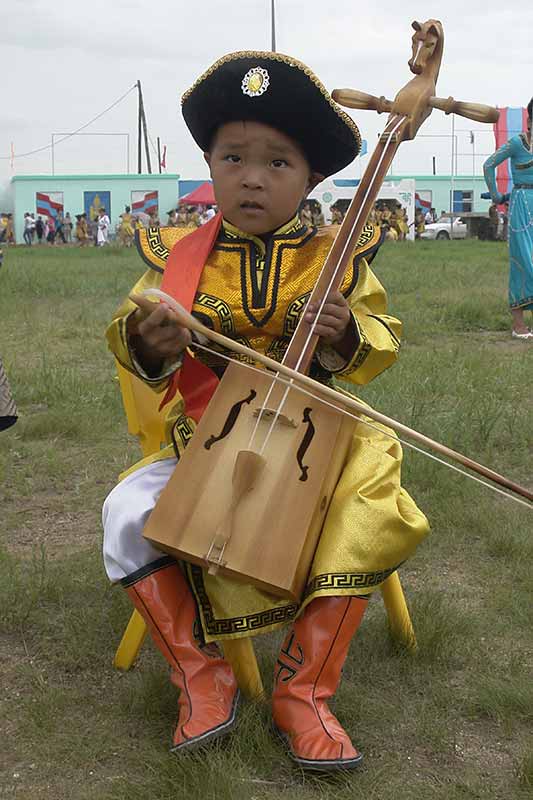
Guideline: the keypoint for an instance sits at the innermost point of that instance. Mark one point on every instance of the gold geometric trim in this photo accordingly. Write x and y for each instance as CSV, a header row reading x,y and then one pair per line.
x,y
154,244
347,580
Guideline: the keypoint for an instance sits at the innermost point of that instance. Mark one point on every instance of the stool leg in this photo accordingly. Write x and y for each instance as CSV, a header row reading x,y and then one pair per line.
x,y
240,654
399,620
131,642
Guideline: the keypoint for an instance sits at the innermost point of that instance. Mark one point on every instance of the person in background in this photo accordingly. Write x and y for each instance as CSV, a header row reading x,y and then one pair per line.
x,y
420,226
82,230
306,218
10,233
209,213
39,229
386,217
182,218
193,216
505,222
51,233
172,221
494,220
28,225
336,215
153,221
60,224
519,149
103,224
398,222
92,227
126,232
318,216
67,228
308,215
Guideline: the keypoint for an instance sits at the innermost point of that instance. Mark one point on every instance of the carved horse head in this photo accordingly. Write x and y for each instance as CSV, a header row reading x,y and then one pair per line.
x,y
428,41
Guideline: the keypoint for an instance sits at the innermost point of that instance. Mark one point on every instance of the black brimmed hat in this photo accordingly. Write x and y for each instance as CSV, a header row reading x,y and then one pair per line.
x,y
279,91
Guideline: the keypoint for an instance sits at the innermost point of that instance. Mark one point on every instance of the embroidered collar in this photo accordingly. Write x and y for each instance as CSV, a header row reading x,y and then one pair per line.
x,y
232,232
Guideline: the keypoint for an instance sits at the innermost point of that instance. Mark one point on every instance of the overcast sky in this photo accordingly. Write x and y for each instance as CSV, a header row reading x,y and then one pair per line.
x,y
64,62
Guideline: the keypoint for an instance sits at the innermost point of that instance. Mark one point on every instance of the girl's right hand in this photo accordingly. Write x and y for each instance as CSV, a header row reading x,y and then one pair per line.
x,y
157,328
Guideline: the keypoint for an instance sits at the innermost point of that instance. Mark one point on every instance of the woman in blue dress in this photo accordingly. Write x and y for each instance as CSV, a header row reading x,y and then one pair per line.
x,y
520,150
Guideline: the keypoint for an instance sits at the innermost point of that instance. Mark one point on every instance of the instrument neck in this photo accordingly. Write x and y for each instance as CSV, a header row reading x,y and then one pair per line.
x,y
304,341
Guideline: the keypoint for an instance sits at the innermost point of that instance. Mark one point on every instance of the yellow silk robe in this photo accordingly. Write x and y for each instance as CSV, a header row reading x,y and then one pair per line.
x,y
255,294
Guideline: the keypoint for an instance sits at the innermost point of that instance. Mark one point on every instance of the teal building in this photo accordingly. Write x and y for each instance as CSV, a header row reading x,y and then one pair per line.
x,y
460,194
47,194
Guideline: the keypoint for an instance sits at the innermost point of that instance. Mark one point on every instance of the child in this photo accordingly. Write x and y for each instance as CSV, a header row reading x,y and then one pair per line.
x,y
270,132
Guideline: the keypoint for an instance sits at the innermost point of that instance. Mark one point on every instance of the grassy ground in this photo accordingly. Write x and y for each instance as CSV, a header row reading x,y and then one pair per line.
x,y
452,722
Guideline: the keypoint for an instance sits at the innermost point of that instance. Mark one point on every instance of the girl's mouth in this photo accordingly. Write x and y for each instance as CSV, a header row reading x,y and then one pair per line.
x,y
250,205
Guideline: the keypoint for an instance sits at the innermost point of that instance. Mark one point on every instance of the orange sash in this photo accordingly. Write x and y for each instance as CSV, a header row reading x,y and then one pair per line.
x,y
194,381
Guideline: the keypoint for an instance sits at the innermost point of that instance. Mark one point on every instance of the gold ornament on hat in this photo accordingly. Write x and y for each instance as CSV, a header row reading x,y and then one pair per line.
x,y
255,82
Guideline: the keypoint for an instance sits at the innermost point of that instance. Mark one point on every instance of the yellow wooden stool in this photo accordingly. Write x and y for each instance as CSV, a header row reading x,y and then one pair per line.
x,y
146,422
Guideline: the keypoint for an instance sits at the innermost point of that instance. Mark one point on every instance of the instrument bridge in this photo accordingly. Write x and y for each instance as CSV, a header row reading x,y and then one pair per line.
x,y
268,414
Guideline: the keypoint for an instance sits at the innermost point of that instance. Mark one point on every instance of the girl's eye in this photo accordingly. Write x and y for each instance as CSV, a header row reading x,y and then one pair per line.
x,y
279,162
232,158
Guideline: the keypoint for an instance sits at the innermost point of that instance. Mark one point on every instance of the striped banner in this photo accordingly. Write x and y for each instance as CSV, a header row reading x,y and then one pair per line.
x,y
512,121
49,205
144,202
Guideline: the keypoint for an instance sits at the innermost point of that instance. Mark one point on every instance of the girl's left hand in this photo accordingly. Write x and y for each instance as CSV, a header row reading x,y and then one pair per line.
x,y
333,320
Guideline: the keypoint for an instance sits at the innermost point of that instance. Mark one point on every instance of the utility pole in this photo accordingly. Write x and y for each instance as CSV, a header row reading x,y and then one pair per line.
x,y
142,125
159,153
139,126
273,24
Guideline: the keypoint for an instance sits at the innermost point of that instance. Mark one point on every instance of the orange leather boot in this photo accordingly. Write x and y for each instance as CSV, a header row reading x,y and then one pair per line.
x,y
307,674
208,690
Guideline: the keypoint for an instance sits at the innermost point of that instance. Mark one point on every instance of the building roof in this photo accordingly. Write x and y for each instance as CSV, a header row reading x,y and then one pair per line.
x,y
123,177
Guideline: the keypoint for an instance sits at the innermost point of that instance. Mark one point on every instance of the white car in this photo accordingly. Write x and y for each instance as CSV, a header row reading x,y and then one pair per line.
x,y
442,229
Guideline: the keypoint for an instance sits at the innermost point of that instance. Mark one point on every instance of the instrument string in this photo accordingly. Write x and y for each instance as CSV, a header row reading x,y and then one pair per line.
x,y
312,328
277,378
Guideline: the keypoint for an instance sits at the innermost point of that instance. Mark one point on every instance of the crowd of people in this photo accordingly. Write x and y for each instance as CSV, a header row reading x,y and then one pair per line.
x,y
185,216
86,230
59,228
95,229
388,215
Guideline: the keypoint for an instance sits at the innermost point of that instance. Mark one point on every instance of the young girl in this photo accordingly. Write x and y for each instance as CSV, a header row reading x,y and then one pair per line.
x,y
270,132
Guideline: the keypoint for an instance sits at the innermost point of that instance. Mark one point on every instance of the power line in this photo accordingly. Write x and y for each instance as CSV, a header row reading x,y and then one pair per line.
x,y
69,135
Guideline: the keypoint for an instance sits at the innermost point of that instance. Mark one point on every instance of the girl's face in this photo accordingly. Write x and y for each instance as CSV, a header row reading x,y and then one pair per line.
x,y
260,176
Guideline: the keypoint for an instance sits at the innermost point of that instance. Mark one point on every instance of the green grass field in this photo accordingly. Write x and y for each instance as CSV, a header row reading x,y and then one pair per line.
x,y
452,722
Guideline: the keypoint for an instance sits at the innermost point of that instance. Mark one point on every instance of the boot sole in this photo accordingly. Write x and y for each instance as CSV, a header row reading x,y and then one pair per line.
x,y
213,733
314,765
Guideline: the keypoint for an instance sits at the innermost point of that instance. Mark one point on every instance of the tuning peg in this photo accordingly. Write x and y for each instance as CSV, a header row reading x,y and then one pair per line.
x,y
475,111
366,102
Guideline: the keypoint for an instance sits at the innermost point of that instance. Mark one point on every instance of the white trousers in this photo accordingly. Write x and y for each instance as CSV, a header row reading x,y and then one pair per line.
x,y
124,516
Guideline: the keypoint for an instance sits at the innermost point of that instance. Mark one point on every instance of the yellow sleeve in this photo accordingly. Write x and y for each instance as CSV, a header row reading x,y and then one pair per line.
x,y
120,345
378,333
